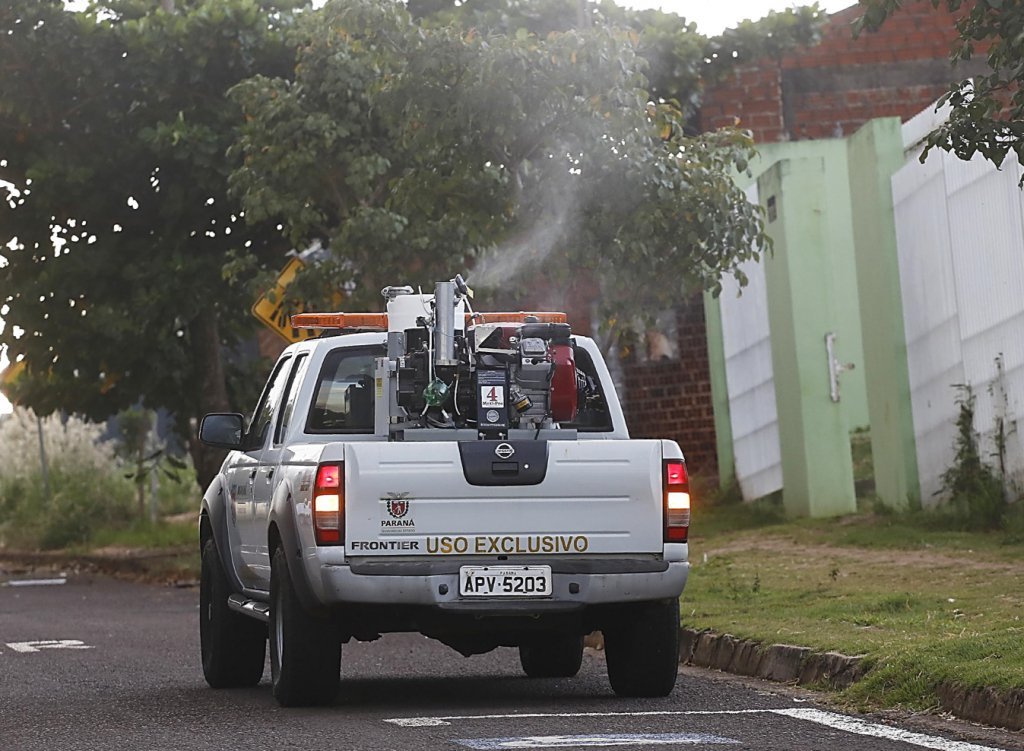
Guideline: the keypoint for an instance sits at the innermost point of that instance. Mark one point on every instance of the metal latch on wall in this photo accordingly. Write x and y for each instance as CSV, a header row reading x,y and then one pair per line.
x,y
834,366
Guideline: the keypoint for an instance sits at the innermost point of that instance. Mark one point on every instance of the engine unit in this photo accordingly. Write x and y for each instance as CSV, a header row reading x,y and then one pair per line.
x,y
450,368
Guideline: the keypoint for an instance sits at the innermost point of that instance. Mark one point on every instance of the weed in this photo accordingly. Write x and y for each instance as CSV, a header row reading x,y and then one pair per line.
x,y
974,489
728,494
863,462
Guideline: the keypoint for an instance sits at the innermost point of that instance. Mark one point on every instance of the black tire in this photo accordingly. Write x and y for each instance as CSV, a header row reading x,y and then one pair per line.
x,y
233,646
558,656
642,650
305,651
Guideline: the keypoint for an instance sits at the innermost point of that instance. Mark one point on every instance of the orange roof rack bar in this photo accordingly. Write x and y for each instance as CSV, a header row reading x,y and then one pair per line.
x,y
516,317
379,321
371,321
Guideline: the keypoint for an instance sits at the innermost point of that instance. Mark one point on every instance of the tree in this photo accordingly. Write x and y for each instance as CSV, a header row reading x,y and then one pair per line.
x,y
419,151
678,57
113,133
987,111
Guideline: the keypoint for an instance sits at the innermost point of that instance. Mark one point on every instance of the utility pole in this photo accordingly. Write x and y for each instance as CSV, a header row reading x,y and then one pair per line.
x,y
582,17
154,470
43,463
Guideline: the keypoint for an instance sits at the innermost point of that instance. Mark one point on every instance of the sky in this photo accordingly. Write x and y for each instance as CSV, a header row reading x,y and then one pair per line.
x,y
711,16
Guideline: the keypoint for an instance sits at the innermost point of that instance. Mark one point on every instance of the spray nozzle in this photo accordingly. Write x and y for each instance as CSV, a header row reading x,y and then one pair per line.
x,y
461,286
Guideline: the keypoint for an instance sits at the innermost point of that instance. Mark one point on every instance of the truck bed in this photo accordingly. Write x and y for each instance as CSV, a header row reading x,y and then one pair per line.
x,y
545,498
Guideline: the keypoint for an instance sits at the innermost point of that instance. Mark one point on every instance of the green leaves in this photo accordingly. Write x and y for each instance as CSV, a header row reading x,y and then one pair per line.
x,y
512,153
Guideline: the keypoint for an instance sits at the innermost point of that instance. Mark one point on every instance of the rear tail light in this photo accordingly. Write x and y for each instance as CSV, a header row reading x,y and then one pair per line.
x,y
676,486
329,504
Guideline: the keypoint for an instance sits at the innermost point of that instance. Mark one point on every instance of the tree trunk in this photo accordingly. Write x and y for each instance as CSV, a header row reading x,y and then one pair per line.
x,y
212,393
140,492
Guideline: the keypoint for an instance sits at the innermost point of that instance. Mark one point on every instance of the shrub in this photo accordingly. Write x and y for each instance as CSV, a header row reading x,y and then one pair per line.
x,y
86,484
974,490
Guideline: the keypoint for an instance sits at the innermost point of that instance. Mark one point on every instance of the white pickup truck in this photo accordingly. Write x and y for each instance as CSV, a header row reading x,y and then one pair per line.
x,y
468,476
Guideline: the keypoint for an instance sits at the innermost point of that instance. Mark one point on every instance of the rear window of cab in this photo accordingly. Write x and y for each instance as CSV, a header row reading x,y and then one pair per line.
x,y
344,398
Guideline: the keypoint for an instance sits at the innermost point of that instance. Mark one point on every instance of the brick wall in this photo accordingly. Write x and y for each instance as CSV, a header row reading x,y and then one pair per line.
x,y
833,88
672,398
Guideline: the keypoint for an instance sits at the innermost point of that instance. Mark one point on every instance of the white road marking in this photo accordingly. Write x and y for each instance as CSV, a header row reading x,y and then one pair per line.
x,y
425,722
35,646
34,582
446,720
861,727
829,719
603,739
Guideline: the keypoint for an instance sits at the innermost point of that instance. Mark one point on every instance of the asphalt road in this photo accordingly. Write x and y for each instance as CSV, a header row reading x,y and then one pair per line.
x,y
96,663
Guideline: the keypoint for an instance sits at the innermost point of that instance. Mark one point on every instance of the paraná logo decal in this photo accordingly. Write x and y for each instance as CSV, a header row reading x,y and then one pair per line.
x,y
504,450
398,504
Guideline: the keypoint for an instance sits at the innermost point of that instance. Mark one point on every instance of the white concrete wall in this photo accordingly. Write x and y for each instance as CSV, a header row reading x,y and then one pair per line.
x,y
751,382
960,233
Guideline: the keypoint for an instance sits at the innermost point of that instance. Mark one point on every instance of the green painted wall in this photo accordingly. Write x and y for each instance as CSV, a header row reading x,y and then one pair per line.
x,y
833,245
875,153
837,243
835,268
803,305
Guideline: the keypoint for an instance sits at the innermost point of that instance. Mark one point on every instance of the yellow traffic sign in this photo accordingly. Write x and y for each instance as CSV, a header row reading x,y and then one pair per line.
x,y
9,376
274,314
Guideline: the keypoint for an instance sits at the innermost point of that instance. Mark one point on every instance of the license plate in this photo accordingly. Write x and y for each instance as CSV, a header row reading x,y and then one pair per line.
x,y
505,581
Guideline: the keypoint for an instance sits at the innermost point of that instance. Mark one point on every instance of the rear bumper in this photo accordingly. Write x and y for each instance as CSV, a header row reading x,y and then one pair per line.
x,y
339,584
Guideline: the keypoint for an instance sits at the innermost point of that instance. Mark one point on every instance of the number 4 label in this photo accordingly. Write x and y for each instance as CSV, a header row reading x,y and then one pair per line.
x,y
492,396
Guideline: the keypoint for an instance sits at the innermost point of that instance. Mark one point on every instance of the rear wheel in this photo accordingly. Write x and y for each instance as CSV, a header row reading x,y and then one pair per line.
x,y
305,651
233,646
558,656
643,650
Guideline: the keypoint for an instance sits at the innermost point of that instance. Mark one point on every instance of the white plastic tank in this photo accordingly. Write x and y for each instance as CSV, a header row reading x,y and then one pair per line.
x,y
403,310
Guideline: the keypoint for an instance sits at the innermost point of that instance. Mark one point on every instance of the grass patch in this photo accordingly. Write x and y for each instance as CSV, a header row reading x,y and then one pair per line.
x,y
926,605
145,535
725,517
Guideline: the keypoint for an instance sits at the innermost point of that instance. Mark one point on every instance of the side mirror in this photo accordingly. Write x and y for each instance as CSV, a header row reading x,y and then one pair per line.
x,y
222,430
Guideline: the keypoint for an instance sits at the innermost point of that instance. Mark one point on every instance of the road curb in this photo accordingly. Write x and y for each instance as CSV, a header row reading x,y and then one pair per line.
x,y
783,663
787,663
132,564
984,705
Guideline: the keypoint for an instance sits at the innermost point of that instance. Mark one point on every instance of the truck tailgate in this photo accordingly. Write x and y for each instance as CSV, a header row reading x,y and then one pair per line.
x,y
435,498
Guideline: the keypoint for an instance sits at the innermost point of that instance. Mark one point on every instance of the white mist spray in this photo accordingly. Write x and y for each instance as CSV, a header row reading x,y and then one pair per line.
x,y
557,214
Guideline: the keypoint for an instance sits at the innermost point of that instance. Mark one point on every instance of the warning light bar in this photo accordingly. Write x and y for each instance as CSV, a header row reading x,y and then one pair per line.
x,y
516,317
379,321
368,321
